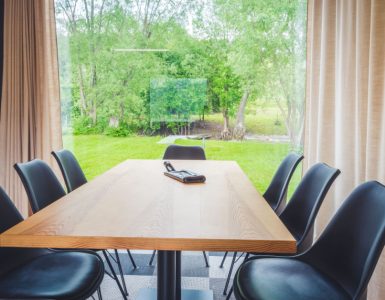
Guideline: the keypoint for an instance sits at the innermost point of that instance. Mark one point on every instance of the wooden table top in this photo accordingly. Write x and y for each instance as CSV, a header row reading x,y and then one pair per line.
x,y
134,206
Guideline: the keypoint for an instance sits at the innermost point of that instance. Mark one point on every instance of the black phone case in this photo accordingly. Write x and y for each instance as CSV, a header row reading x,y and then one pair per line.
x,y
185,176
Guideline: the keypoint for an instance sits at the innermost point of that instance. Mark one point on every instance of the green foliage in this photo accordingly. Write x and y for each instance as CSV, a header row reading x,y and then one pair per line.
x,y
120,131
83,125
176,100
235,45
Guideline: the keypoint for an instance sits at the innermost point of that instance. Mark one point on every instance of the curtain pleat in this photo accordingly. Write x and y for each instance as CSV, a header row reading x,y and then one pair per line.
x,y
30,125
345,105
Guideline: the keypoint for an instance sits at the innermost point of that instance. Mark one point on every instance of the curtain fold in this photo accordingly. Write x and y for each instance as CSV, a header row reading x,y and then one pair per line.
x,y
345,100
30,124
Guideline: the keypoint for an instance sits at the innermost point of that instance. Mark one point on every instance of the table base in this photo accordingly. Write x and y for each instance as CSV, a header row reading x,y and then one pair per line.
x,y
151,294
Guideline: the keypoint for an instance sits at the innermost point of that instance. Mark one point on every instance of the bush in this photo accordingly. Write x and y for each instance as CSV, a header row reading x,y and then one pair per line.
x,y
119,131
84,125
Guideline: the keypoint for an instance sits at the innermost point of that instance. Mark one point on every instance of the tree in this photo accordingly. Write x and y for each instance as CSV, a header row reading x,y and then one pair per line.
x,y
247,50
267,53
225,87
84,23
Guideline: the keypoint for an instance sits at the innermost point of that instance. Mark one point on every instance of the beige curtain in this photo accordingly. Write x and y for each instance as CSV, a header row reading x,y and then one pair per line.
x,y
345,118
30,124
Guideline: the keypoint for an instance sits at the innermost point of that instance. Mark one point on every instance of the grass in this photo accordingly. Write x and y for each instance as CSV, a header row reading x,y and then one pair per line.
x,y
98,153
262,121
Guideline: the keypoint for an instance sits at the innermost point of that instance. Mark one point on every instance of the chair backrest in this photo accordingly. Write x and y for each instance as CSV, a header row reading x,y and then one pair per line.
x,y
276,192
184,152
40,183
350,246
9,217
302,209
72,173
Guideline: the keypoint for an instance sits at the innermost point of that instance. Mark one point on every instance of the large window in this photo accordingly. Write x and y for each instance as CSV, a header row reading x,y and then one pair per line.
x,y
227,75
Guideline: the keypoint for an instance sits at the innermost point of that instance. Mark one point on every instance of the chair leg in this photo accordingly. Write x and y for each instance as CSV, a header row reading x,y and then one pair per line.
x,y
114,275
152,257
229,275
99,294
106,272
132,259
112,257
246,257
206,260
223,259
121,272
230,292
232,287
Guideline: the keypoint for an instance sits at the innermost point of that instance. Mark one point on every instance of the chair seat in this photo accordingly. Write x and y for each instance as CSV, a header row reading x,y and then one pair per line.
x,y
281,278
58,275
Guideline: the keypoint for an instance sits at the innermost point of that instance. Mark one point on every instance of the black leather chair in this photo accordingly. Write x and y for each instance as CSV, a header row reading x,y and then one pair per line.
x,y
275,193
43,188
339,264
301,211
72,172
188,153
44,273
40,183
74,177
184,152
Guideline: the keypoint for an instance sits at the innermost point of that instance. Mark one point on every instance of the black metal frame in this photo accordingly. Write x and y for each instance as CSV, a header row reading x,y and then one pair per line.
x,y
169,275
204,256
114,276
233,262
116,259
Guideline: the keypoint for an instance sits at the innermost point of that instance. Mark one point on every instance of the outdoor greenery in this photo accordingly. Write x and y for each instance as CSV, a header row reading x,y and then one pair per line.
x,y
133,71
177,100
98,153
249,53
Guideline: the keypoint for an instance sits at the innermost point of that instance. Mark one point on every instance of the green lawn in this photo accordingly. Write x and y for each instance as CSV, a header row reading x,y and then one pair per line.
x,y
98,153
267,121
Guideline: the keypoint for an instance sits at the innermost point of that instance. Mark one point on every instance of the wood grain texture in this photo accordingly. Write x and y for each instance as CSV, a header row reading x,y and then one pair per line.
x,y
134,206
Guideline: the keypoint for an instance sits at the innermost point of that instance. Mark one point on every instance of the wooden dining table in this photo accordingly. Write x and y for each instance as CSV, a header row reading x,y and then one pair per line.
x,y
134,206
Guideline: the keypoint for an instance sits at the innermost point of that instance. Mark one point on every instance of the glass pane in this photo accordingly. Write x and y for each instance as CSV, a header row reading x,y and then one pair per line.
x,y
226,75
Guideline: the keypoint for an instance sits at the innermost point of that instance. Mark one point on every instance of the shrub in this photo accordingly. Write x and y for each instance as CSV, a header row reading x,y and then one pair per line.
x,y
119,131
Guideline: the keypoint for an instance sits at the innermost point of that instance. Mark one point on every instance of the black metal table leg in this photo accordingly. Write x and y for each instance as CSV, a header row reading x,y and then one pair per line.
x,y
178,274
166,275
169,281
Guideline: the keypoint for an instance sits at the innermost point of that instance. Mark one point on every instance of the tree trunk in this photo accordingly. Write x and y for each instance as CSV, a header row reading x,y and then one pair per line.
x,y
240,128
83,105
225,134
93,112
294,123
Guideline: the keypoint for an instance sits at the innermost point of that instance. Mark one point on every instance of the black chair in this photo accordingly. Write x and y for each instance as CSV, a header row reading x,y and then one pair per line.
x,y
45,273
339,264
301,211
40,183
187,153
43,188
275,193
72,172
184,152
74,177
